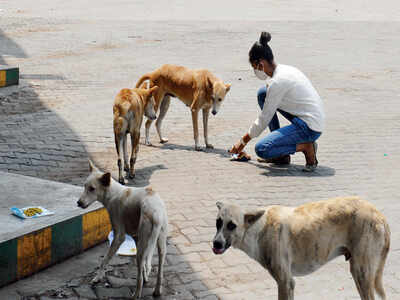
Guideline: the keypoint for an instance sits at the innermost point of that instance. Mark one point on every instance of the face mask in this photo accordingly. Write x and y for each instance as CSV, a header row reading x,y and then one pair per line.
x,y
260,74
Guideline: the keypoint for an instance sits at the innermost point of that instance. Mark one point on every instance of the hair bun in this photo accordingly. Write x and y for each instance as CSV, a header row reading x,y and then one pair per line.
x,y
265,37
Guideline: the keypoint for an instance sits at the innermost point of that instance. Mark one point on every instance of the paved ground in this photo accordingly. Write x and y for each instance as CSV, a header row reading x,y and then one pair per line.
x,y
74,58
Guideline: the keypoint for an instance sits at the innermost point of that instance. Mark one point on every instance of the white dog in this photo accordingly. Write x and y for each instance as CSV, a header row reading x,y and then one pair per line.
x,y
139,212
295,241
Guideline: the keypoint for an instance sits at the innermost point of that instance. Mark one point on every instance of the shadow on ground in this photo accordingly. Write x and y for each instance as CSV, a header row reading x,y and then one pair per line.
x,y
170,146
107,162
293,170
34,140
9,48
143,175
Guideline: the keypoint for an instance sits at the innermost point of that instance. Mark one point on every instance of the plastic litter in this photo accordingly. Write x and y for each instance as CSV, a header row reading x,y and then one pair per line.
x,y
127,248
30,212
242,156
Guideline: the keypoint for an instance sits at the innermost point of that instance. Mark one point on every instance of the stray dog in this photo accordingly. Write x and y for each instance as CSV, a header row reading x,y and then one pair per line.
x,y
139,212
295,241
198,89
129,107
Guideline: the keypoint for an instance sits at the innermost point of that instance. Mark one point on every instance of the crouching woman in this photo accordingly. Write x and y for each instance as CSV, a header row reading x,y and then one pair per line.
x,y
289,92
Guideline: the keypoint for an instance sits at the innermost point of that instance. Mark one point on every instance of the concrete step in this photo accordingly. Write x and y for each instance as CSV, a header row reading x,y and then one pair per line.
x,y
9,75
29,245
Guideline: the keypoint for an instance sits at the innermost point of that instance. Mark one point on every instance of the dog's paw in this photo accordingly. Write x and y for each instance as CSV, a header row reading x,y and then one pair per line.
x,y
198,148
157,292
148,143
164,140
121,181
209,146
131,175
137,295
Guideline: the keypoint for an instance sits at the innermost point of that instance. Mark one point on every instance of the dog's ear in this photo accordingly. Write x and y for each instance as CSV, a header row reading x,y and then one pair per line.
x,y
210,84
153,90
227,87
219,205
91,166
251,217
105,179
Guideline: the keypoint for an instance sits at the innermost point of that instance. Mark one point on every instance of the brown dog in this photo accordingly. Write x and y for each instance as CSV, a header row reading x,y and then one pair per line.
x,y
129,107
198,89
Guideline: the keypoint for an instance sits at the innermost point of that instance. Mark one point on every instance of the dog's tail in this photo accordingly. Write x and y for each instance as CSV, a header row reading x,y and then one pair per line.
x,y
379,272
142,79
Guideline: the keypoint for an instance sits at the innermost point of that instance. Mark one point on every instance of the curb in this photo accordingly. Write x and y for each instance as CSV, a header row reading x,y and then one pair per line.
x,y
29,253
9,76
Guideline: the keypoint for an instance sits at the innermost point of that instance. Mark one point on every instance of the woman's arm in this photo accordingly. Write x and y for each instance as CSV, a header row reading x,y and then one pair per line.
x,y
275,93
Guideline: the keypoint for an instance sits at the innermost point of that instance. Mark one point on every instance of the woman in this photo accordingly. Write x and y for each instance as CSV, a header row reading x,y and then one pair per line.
x,y
289,92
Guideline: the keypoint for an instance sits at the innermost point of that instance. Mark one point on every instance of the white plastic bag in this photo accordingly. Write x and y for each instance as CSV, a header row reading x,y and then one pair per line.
x,y
127,248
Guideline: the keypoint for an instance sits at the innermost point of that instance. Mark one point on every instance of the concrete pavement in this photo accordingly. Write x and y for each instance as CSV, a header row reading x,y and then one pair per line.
x,y
74,58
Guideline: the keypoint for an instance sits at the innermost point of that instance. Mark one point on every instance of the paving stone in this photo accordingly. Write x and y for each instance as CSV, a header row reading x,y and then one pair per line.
x,y
111,293
85,291
70,298
60,293
74,282
118,282
211,297
29,292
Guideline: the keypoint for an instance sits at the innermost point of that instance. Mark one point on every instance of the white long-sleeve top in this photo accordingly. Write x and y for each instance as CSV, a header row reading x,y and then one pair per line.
x,y
290,90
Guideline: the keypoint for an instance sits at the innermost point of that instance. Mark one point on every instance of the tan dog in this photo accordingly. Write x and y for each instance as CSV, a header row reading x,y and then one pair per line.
x,y
129,107
295,241
139,212
198,89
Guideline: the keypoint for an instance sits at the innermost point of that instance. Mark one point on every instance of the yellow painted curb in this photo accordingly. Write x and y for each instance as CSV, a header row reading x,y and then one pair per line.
x,y
34,252
95,228
2,78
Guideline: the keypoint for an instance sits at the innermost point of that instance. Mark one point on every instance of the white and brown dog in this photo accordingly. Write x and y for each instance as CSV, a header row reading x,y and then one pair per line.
x,y
129,107
295,241
139,212
198,89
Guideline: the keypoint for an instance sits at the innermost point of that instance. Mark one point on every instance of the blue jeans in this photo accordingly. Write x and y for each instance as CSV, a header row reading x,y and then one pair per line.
x,y
283,141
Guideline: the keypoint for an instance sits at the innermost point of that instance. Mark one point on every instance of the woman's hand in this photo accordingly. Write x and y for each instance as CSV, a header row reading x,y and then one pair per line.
x,y
239,146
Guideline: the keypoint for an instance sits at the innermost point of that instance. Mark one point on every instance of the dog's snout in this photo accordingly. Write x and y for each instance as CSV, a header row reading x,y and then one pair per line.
x,y
79,203
217,245
151,116
214,112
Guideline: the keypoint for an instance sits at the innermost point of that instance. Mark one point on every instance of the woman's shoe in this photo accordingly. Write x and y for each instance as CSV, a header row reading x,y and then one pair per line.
x,y
282,160
312,167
